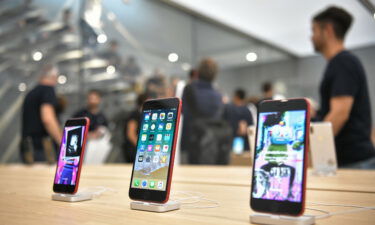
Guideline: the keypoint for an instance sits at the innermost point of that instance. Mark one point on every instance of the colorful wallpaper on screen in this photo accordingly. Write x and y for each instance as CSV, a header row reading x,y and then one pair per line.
x,y
279,156
154,149
70,151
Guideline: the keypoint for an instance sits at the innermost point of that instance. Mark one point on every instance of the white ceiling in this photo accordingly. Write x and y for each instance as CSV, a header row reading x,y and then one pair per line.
x,y
284,23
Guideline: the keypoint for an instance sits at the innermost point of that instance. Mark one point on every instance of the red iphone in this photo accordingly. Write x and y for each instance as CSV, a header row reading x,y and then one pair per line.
x,y
153,166
72,149
280,157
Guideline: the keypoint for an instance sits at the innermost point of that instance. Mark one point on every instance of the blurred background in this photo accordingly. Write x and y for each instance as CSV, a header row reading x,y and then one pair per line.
x,y
124,47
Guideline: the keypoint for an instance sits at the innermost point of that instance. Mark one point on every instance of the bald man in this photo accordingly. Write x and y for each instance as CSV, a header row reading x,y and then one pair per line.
x,y
39,120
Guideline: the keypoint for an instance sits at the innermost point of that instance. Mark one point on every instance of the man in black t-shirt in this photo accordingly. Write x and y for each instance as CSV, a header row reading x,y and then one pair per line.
x,y
345,100
39,121
97,119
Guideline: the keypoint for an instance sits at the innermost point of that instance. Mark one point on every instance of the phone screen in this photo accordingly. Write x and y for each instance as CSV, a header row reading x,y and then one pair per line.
x,y
70,155
279,157
238,145
154,148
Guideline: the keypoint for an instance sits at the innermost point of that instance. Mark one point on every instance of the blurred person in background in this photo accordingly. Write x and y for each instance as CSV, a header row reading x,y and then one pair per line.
x,y
131,129
192,77
252,103
111,54
239,116
67,16
62,103
207,136
202,98
98,121
344,95
66,20
313,108
267,91
174,82
40,126
156,85
131,67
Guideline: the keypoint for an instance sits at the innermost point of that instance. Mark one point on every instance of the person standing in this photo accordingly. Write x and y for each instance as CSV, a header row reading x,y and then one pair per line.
x,y
267,91
207,135
40,126
98,121
131,129
344,95
184,143
239,116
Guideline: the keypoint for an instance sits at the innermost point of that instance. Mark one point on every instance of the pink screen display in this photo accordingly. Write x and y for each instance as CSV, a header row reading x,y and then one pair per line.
x,y
69,157
278,168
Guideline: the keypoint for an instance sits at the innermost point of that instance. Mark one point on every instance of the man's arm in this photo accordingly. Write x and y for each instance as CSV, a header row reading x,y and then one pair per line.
x,y
340,108
49,120
132,131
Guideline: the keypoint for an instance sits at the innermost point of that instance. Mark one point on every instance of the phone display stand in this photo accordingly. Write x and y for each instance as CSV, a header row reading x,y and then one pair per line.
x,y
72,198
281,220
155,207
324,170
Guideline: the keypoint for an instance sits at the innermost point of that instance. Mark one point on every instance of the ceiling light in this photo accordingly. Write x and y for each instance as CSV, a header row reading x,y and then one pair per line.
x,y
37,56
62,79
22,87
173,57
111,69
185,66
111,16
102,38
251,56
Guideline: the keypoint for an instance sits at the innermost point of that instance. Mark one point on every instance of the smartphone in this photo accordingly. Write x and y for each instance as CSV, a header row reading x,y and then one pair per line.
x,y
72,149
153,165
280,157
322,148
238,145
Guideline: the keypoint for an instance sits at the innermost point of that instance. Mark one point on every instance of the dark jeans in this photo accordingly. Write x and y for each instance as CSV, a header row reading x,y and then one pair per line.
x,y
34,149
364,165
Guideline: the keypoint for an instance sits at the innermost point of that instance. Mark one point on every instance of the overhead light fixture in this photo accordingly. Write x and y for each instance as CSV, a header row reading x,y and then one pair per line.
x,y
369,5
111,16
111,69
185,66
62,79
37,56
22,87
251,57
101,39
173,57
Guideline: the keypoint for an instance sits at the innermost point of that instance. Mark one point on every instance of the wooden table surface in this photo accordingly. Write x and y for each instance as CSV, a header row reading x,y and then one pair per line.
x,y
25,197
344,180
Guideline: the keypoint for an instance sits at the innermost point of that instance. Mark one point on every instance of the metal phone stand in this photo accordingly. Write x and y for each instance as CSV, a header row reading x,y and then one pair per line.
x,y
155,207
270,219
78,197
